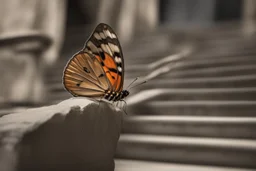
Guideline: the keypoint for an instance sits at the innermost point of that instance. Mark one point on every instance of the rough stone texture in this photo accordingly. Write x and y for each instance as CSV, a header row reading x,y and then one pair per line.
x,y
76,134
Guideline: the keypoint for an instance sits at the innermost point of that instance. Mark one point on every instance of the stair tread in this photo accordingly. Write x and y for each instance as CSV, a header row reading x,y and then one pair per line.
x,y
193,119
207,79
201,90
192,62
191,141
204,103
136,165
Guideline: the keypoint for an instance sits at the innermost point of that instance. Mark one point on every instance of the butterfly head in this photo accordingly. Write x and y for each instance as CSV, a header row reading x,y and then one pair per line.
x,y
125,93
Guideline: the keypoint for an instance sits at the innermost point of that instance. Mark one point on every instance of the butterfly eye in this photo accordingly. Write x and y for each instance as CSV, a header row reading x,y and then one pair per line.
x,y
86,70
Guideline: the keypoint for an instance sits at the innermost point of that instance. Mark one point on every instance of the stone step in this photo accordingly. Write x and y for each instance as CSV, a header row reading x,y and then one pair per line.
x,y
213,72
192,126
194,108
191,63
188,150
239,45
198,55
215,53
180,94
140,165
199,82
169,71
228,42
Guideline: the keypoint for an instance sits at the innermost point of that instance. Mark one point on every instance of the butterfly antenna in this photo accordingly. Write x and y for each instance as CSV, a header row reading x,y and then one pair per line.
x,y
132,82
139,84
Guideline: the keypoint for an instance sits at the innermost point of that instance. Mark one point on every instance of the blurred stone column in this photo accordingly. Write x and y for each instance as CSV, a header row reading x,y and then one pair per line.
x,y
187,13
128,17
108,12
137,17
127,20
31,33
147,15
52,20
249,16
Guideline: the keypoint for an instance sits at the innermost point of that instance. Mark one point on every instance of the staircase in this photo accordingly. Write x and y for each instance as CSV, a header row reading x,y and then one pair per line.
x,y
202,112
200,115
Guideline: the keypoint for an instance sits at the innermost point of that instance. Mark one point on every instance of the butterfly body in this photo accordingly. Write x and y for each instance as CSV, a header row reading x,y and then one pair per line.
x,y
97,71
116,96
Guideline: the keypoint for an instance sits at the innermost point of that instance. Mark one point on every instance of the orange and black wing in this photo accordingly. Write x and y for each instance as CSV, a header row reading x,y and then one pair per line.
x,y
103,43
84,76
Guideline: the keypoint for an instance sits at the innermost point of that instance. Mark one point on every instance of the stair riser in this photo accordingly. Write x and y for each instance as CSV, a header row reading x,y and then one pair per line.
x,y
196,110
217,73
195,63
189,154
199,84
207,96
196,129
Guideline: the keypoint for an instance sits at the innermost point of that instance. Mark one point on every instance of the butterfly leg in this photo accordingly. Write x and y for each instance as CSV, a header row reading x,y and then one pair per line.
x,y
100,101
117,103
124,107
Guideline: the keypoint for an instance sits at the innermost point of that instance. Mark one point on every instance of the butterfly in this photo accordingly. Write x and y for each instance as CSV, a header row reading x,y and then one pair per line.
x,y
97,71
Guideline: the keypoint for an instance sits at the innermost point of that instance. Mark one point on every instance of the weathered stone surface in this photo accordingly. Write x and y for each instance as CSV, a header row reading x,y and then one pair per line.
x,y
76,134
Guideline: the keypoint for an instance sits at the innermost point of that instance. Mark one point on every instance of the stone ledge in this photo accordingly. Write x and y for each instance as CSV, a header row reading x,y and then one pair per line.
x,y
75,134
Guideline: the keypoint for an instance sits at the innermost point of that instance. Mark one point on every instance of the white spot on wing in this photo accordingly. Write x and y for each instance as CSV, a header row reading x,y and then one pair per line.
x,y
106,49
102,35
92,46
107,33
116,59
114,47
120,60
97,36
90,43
119,69
109,50
103,46
113,36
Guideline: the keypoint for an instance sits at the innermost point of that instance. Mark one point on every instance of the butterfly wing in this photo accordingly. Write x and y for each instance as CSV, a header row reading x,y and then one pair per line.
x,y
84,76
103,43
